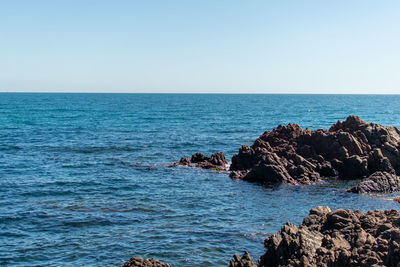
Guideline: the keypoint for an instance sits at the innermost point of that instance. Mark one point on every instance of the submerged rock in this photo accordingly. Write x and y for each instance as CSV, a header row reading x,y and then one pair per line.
x,y
337,238
217,161
140,262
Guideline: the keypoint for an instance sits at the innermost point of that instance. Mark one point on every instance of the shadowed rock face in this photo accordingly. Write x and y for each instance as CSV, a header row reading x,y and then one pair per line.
x,y
337,238
351,149
140,262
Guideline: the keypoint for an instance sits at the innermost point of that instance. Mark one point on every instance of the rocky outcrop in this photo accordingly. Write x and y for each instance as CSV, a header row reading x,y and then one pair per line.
x,y
378,182
140,262
337,238
351,149
216,161
244,261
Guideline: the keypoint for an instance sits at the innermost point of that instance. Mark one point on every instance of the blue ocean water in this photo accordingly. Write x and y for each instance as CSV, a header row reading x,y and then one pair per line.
x,y
84,178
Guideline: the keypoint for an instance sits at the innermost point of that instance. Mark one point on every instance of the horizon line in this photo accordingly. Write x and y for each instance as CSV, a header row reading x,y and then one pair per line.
x,y
186,93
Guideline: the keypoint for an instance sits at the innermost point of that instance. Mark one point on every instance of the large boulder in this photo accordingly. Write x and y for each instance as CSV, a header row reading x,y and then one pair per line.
x,y
337,238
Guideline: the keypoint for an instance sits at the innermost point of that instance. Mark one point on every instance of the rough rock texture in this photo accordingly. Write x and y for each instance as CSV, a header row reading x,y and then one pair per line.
x,y
217,161
140,262
378,182
348,150
337,238
244,261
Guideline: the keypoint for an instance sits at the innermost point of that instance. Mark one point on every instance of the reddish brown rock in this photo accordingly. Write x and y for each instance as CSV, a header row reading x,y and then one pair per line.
x,y
199,157
353,149
337,238
378,182
217,161
244,261
140,262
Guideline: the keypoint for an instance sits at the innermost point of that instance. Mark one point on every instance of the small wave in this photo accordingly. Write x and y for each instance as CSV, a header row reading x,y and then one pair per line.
x,y
9,148
79,208
79,165
12,234
95,149
41,193
94,222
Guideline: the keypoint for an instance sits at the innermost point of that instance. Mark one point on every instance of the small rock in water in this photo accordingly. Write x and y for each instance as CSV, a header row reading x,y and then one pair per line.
x,y
217,161
140,262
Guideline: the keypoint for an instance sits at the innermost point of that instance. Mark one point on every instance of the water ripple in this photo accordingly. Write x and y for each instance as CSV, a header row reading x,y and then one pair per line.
x,y
84,177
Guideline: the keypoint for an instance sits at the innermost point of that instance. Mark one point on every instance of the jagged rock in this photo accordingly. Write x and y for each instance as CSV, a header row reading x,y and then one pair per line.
x,y
184,161
378,182
140,262
217,161
244,261
337,238
397,199
199,157
352,149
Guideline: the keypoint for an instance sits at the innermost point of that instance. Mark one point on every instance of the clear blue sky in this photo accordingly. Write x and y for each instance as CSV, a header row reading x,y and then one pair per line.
x,y
341,46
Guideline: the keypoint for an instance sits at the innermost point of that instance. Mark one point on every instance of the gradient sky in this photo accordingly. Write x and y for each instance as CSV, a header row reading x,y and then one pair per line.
x,y
341,46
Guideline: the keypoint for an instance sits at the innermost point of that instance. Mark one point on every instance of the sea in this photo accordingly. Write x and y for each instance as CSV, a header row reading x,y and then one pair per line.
x,y
84,178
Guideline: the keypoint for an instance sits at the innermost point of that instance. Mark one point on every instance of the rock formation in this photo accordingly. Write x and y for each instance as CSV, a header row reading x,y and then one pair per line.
x,y
140,262
348,150
378,182
244,261
352,149
337,238
217,161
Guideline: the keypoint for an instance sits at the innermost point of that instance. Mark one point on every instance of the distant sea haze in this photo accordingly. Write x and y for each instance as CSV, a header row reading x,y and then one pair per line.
x,y
84,177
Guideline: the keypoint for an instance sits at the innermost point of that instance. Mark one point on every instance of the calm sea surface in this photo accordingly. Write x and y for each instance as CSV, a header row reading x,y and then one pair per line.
x,y
84,178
